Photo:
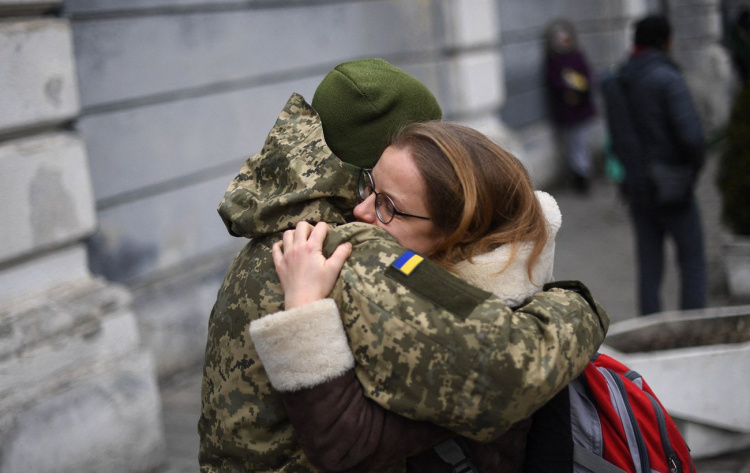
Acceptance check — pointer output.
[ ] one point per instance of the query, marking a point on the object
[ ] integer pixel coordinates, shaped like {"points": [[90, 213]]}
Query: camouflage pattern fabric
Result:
{"points": [[476, 371]]}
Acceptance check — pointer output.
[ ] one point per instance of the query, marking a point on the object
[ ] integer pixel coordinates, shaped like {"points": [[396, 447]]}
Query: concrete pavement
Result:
{"points": [[595, 245], [181, 407]]}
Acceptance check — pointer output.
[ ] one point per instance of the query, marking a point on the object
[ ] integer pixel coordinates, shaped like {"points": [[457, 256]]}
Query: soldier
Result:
{"points": [[427, 332]]}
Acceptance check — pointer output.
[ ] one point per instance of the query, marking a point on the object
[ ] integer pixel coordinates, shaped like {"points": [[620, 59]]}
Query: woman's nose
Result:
{"points": [[365, 210]]}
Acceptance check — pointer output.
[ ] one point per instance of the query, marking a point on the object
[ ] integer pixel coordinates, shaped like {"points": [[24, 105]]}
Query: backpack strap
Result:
{"points": [[451, 452], [592, 461]]}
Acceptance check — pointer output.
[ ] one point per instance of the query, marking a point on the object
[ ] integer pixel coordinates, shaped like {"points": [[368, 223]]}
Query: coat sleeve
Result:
{"points": [[684, 120], [304, 354], [339, 428], [342, 430], [431, 347], [307, 358]]}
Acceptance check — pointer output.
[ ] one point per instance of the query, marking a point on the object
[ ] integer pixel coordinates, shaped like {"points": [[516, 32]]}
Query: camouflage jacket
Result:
{"points": [[338, 428], [427, 345]]}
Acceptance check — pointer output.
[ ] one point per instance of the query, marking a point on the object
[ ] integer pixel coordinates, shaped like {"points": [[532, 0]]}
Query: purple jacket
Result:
{"points": [[569, 84]]}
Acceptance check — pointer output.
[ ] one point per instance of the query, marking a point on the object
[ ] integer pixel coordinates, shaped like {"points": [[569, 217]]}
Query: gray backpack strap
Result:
{"points": [[592, 461], [451, 452]]}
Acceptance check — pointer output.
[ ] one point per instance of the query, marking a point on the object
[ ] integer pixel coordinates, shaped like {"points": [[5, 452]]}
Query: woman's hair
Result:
{"points": [[478, 193]]}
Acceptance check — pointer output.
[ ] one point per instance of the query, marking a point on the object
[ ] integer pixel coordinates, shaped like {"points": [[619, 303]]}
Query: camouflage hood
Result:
{"points": [[294, 177]]}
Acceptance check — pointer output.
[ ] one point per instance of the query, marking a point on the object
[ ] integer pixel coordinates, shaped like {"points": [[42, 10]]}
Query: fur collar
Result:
{"points": [[512, 285]]}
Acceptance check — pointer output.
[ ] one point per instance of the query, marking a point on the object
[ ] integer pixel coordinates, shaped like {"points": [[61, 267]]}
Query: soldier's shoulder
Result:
{"points": [[366, 240], [383, 268], [571, 294], [359, 233]]}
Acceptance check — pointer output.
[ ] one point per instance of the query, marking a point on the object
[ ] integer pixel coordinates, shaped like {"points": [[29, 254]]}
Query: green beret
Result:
{"points": [[362, 103]]}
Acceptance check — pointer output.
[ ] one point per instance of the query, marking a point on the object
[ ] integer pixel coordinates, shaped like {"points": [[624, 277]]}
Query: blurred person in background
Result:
{"points": [[569, 84], [657, 135]]}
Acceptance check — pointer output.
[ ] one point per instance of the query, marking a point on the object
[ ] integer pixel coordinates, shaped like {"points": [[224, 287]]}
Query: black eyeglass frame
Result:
{"points": [[381, 198]]}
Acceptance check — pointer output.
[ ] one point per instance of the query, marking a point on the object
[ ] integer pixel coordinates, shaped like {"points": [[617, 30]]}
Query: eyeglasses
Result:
{"points": [[385, 209]]}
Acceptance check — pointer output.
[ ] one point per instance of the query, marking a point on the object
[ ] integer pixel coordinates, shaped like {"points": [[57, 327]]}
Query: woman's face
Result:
{"points": [[396, 175]]}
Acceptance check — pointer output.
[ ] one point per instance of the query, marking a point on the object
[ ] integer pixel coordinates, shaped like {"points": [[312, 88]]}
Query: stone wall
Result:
{"points": [[697, 49], [77, 390], [175, 94]]}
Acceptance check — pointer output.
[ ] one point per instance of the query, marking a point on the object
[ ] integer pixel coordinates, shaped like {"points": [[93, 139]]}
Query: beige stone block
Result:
{"points": [[38, 84], [476, 83], [154, 56], [79, 392], [46, 194], [62, 336], [36, 275], [470, 23], [110, 423]]}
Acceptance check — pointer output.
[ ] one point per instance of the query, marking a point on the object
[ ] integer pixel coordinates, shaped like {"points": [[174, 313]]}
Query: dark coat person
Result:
{"points": [[657, 134]]}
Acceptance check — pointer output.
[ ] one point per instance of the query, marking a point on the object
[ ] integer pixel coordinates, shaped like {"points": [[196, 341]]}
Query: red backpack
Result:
{"points": [[606, 421]]}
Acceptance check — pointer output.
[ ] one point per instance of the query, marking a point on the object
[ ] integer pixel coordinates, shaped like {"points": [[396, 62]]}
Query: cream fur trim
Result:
{"points": [[302, 347], [512, 285]]}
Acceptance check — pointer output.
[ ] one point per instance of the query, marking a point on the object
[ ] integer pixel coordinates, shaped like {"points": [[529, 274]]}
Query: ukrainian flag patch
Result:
{"points": [[407, 262]]}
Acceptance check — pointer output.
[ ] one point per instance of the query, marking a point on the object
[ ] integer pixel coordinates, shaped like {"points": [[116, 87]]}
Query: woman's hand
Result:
{"points": [[305, 274]]}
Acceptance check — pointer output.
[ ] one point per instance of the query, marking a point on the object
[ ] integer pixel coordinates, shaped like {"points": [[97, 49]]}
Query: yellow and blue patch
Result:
{"points": [[433, 283], [407, 262]]}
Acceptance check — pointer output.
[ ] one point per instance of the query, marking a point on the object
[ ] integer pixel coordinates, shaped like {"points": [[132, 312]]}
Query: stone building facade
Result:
{"points": [[121, 123], [78, 390]]}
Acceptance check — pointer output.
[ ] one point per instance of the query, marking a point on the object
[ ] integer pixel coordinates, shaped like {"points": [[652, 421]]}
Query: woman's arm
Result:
{"points": [[341, 430], [307, 357], [306, 275], [468, 363]]}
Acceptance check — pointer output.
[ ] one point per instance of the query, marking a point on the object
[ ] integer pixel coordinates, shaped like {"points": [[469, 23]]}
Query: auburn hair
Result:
{"points": [[477, 193]]}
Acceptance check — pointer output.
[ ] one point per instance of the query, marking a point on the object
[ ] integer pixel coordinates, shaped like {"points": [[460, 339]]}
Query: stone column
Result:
{"points": [[473, 74], [706, 64], [77, 391]]}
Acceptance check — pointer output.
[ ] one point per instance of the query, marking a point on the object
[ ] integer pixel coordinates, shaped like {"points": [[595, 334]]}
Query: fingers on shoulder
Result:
{"points": [[318, 235], [341, 254], [277, 254]]}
